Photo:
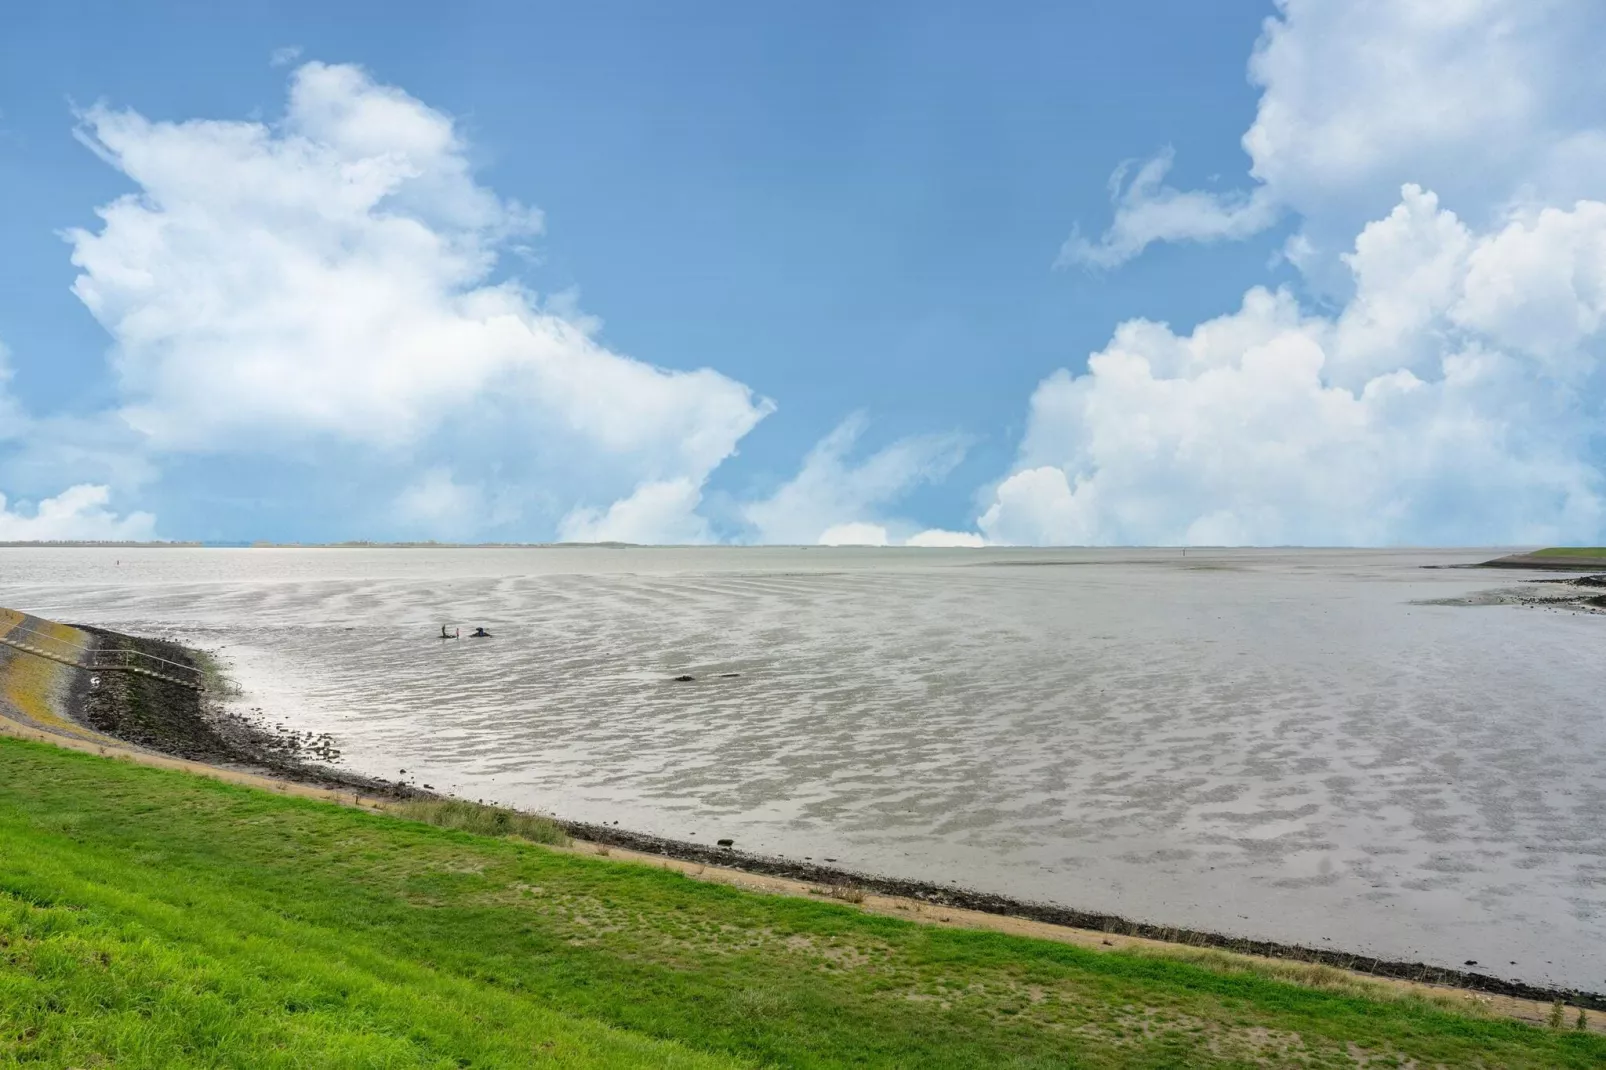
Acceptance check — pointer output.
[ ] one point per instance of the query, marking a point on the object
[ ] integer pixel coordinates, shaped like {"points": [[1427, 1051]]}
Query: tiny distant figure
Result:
{"points": [[457, 633], [480, 633]]}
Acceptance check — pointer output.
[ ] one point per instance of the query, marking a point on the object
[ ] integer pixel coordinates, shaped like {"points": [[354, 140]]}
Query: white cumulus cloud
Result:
{"points": [[936, 537], [1488, 102], [1454, 400], [328, 279], [1444, 163], [832, 489], [853, 534], [660, 512], [78, 513]]}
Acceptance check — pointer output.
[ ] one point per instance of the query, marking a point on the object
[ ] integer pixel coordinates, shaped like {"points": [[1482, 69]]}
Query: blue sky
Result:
{"points": [[858, 221]]}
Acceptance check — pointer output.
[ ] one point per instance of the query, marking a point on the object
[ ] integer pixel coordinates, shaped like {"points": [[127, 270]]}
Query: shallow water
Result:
{"points": [[1278, 744]]}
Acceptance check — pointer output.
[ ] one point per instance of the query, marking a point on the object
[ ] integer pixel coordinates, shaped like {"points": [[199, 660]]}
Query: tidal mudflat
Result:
{"points": [[1330, 748]]}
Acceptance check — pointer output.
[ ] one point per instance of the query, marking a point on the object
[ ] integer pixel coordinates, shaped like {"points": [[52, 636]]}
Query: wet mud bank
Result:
{"points": [[174, 720]]}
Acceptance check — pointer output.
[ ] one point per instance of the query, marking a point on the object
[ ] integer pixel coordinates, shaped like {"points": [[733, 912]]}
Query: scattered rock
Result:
{"points": [[1470, 962], [684, 679], [728, 675], [727, 843]]}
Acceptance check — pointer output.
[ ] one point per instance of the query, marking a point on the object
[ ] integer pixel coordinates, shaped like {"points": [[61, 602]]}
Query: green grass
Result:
{"points": [[482, 820], [1570, 551], [154, 919]]}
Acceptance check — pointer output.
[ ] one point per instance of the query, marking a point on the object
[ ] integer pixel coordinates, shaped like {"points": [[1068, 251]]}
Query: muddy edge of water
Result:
{"points": [[174, 720]]}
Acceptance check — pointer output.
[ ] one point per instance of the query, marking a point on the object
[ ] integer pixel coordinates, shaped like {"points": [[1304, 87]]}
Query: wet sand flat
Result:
{"points": [[1284, 745]]}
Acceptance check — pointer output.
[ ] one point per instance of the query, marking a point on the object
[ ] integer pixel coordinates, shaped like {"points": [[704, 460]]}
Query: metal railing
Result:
{"points": [[30, 640]]}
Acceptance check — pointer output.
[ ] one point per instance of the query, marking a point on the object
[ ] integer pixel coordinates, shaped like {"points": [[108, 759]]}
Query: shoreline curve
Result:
{"points": [[194, 734]]}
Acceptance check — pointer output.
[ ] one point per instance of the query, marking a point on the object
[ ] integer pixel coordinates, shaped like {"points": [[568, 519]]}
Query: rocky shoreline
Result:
{"points": [[161, 716], [1579, 594]]}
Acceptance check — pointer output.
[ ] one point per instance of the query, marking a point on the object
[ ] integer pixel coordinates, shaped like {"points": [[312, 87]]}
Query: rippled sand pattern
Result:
{"points": [[1277, 744]]}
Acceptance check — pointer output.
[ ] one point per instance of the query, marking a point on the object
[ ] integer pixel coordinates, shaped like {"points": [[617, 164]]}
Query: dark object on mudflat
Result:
{"points": [[727, 843], [728, 675], [684, 679], [479, 633]]}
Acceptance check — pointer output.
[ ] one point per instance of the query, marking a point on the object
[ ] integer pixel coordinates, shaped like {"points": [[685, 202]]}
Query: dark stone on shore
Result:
{"points": [[727, 843], [157, 715], [684, 679], [147, 711]]}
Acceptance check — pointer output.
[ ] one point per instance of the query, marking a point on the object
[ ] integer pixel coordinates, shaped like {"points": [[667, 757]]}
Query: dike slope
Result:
{"points": [[1555, 559]]}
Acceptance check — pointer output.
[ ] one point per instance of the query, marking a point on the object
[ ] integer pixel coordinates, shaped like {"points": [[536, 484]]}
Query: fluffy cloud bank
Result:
{"points": [[77, 514], [860, 533], [1487, 102], [326, 282], [1455, 395], [1455, 400]]}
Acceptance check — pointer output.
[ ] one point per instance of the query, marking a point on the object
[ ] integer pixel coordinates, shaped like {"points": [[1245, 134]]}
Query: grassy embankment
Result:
{"points": [[150, 918], [1558, 558]]}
